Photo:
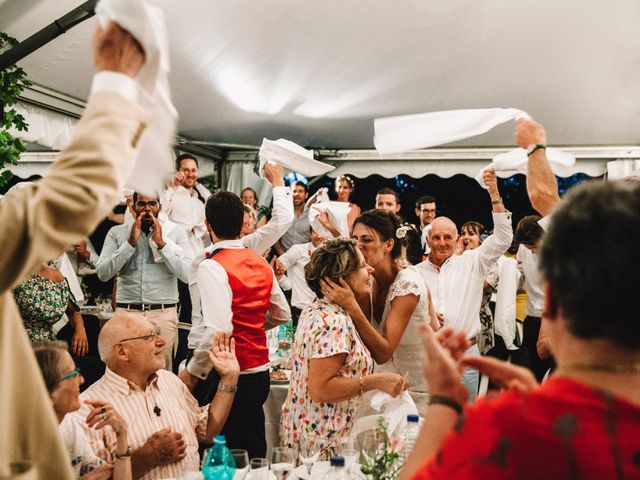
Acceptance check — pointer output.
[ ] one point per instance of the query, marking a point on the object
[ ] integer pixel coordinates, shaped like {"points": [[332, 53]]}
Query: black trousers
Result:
{"points": [[185, 302], [529, 357], [245, 426]]}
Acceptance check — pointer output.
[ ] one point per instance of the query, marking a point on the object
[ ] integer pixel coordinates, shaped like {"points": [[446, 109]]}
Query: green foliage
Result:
{"points": [[13, 80], [385, 463]]}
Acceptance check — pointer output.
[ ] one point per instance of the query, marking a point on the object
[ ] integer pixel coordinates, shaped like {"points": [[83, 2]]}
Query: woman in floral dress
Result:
{"points": [[331, 366], [43, 299]]}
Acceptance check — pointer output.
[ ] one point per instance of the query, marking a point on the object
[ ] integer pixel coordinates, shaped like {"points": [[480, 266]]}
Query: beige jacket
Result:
{"points": [[37, 223]]}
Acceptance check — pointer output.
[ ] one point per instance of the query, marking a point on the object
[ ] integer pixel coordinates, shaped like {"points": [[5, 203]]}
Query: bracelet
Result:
{"points": [[126, 454], [361, 385], [447, 402], [227, 388], [498, 201]]}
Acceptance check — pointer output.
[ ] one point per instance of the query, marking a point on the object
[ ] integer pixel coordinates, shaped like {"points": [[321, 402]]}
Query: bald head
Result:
{"points": [[443, 224], [442, 240], [122, 325]]}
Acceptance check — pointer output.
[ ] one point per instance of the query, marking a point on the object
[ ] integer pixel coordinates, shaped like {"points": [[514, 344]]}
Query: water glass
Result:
{"points": [[282, 462], [241, 458], [347, 449], [259, 469]]}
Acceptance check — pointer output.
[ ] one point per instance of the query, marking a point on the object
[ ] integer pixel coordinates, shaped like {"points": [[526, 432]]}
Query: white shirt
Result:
{"points": [[533, 282], [456, 287], [424, 236], [295, 260], [215, 299], [187, 210], [260, 240], [82, 457], [143, 278]]}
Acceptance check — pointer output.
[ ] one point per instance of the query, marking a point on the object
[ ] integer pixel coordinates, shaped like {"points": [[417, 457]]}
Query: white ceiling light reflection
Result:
{"points": [[245, 91], [352, 102]]}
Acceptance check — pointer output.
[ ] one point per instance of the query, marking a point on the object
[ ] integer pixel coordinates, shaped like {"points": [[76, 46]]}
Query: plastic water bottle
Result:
{"points": [[219, 464], [338, 471], [410, 434]]}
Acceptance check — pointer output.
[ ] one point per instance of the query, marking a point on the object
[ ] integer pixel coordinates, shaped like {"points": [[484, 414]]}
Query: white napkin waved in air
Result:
{"points": [[337, 212], [395, 410], [424, 130], [146, 23], [515, 161], [291, 156]]}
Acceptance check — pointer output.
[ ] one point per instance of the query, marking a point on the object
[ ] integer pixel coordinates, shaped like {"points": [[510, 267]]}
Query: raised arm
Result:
{"points": [[281, 215], [87, 176], [542, 186]]}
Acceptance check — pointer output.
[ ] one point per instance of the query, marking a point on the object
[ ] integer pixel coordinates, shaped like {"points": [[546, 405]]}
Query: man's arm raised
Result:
{"points": [[542, 186]]}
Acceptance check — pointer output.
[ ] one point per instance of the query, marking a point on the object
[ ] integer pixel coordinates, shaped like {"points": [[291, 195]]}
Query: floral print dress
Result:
{"points": [[41, 302], [324, 330]]}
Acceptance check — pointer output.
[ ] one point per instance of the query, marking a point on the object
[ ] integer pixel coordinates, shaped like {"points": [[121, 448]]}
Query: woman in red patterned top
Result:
{"points": [[584, 423]]}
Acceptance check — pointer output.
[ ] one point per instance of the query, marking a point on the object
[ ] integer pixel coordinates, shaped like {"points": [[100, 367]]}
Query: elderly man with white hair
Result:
{"points": [[165, 422], [456, 281]]}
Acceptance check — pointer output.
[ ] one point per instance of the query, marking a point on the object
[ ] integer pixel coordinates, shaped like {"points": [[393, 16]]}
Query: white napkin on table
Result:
{"points": [[395, 410], [424, 130], [516, 161], [291, 156], [146, 23]]}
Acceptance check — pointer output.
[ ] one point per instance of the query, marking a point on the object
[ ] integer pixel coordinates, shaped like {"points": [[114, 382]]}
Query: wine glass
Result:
{"points": [[347, 449], [282, 462], [241, 457], [369, 445], [259, 468], [308, 449]]}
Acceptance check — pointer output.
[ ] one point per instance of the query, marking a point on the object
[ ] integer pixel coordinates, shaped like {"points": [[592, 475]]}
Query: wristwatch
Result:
{"points": [[125, 454], [533, 148]]}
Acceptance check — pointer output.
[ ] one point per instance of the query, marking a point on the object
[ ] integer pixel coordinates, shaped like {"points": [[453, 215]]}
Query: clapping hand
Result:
{"points": [[443, 352], [503, 374], [103, 414], [157, 232]]}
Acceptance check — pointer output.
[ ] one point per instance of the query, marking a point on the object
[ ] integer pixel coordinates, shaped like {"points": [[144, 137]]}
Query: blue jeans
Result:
{"points": [[470, 376]]}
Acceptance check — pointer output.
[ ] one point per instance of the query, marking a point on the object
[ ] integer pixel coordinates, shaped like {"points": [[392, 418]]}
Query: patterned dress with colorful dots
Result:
{"points": [[324, 330]]}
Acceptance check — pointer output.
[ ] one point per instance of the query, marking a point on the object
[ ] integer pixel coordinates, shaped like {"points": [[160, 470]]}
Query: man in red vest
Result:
{"points": [[239, 294]]}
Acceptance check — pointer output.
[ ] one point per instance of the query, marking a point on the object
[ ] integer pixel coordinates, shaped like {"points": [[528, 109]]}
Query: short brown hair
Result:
{"points": [[334, 259], [528, 231], [48, 355]]}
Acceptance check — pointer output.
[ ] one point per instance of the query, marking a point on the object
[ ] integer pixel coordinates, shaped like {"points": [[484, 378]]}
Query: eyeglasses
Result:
{"points": [[71, 374], [151, 336], [151, 203]]}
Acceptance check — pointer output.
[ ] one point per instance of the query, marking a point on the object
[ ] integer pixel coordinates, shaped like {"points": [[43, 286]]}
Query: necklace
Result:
{"points": [[630, 368]]}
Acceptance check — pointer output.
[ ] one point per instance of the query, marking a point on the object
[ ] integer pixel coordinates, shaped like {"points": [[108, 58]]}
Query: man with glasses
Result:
{"points": [[149, 257], [165, 422]]}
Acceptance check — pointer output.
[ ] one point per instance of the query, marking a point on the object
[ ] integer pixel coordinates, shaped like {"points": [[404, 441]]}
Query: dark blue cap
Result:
{"points": [[337, 461]]}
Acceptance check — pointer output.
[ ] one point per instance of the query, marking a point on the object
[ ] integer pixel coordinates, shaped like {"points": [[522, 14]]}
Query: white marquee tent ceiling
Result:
{"points": [[319, 72]]}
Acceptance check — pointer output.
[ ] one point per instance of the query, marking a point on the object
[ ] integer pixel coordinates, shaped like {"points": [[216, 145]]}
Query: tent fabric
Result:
{"points": [[449, 168]]}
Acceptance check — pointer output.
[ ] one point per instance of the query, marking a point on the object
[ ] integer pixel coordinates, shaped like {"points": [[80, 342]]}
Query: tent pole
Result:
{"points": [[48, 33]]}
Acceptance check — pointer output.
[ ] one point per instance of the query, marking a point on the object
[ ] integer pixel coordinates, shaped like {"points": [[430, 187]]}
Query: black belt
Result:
{"points": [[145, 306]]}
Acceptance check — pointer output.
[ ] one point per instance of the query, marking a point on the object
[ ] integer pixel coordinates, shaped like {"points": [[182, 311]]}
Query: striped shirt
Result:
{"points": [[178, 410]]}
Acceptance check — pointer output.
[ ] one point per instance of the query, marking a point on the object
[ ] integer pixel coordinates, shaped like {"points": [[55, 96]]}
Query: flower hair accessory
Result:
{"points": [[401, 232]]}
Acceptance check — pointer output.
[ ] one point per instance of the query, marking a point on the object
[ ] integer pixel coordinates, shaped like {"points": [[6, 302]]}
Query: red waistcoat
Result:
{"points": [[251, 280]]}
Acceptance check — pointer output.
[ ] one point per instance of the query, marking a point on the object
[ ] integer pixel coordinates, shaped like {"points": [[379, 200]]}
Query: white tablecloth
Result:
{"points": [[272, 410]]}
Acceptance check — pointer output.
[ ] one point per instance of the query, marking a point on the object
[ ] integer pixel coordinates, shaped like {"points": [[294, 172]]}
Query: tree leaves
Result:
{"points": [[13, 80]]}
